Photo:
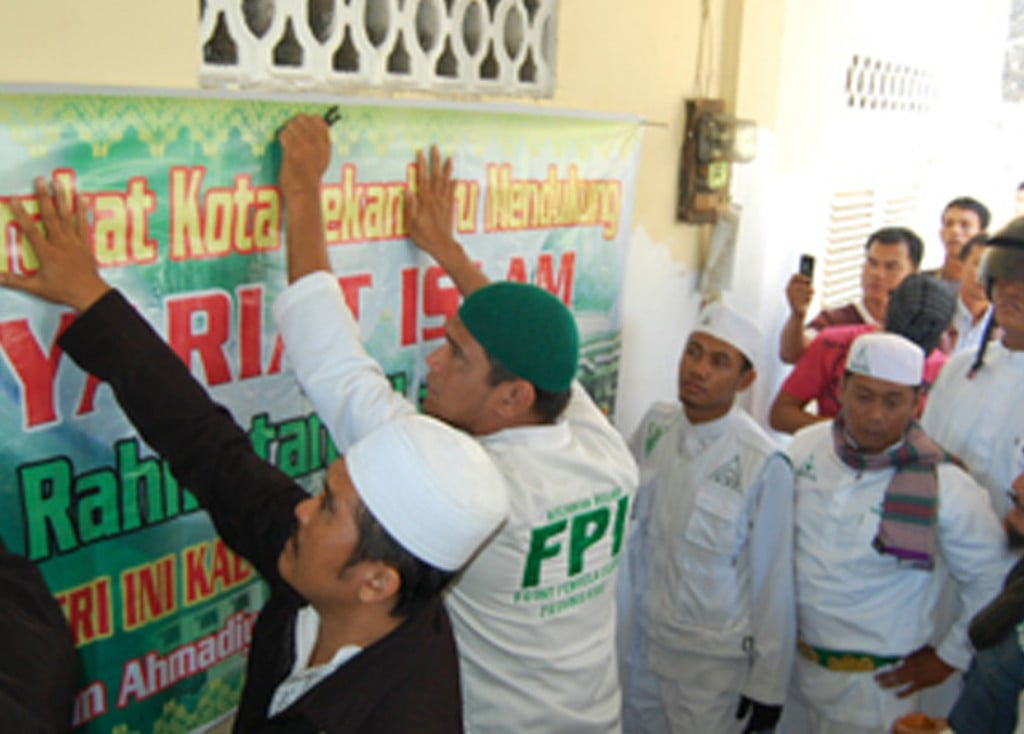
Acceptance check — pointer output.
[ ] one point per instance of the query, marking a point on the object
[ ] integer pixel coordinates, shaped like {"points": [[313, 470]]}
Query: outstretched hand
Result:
{"points": [[428, 210], [428, 215], [799, 293], [306, 151], [67, 272]]}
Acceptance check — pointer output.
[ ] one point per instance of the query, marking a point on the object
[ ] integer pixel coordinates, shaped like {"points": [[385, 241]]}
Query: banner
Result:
{"points": [[188, 223]]}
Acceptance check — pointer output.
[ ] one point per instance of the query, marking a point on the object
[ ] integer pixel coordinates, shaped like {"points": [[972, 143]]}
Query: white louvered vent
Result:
{"points": [[883, 85], [480, 46], [1013, 63], [851, 219], [853, 215]]}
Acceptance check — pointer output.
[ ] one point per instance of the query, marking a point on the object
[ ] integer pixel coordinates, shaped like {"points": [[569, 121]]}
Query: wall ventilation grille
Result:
{"points": [[502, 47], [853, 215], [875, 84]]}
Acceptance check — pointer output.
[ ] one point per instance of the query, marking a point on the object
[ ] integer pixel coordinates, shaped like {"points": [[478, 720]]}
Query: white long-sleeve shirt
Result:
{"points": [[710, 551], [534, 612], [968, 329], [851, 597], [981, 420]]}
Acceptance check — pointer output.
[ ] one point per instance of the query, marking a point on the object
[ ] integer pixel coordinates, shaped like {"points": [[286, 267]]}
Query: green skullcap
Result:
{"points": [[527, 329]]}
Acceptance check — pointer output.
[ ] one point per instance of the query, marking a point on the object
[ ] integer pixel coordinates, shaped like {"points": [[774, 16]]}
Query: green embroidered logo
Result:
{"points": [[806, 470], [728, 474], [859, 361], [654, 432]]}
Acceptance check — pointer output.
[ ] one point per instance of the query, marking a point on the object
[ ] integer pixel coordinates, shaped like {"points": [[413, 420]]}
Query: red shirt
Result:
{"points": [[818, 372]]}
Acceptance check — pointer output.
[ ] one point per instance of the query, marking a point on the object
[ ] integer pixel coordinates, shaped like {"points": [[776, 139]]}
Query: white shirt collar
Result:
{"points": [[303, 677], [694, 438]]}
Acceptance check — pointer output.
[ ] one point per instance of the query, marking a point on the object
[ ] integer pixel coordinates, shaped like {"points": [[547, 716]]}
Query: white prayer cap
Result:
{"points": [[729, 325], [888, 357], [432, 487]]}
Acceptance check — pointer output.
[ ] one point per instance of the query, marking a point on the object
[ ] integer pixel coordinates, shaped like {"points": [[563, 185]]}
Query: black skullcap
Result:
{"points": [[921, 309]]}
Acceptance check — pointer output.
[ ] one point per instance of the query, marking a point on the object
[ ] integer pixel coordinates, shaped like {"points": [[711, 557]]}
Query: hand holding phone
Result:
{"points": [[807, 265]]}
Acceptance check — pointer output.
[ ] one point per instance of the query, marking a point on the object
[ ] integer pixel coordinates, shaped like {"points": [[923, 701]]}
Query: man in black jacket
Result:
{"points": [[354, 637], [988, 703], [38, 663]]}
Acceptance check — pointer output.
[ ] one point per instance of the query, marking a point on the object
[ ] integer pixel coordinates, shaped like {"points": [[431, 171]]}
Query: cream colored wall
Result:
{"points": [[100, 42], [640, 61], [634, 58]]}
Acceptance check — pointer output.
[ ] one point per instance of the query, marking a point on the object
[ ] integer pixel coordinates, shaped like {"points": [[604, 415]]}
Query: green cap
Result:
{"points": [[527, 329]]}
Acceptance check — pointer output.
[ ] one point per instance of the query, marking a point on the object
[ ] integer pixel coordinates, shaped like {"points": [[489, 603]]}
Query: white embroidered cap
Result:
{"points": [[432, 487], [888, 357], [726, 323]]}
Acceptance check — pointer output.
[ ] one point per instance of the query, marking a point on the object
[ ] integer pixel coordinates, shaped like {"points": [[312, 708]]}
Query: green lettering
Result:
{"points": [[261, 434], [190, 502], [587, 529], [293, 450], [618, 530], [46, 489], [314, 429], [399, 381], [332, 451], [540, 550], [97, 505], [133, 473], [172, 493]]}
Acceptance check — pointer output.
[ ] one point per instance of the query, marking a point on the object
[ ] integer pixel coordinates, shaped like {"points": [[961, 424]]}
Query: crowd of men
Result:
{"points": [[824, 585]]}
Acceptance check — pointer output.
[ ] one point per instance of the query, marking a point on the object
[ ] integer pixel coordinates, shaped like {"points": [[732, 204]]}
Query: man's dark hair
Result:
{"points": [[546, 404], [899, 236], [421, 582], [966, 202], [977, 240]]}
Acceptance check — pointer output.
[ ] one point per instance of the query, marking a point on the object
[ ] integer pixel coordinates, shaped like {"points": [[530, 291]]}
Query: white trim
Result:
{"points": [[506, 108]]}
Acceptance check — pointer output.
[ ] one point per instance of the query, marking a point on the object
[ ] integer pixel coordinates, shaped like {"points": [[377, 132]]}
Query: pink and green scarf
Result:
{"points": [[910, 507]]}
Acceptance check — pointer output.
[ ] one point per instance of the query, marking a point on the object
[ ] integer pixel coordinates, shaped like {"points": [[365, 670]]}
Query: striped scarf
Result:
{"points": [[910, 507]]}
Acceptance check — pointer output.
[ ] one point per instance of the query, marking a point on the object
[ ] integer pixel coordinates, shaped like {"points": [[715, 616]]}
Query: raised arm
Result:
{"points": [[306, 151], [249, 500], [793, 338], [428, 212], [347, 387], [67, 273]]}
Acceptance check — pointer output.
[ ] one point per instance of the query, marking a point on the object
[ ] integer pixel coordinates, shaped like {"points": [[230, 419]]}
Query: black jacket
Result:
{"points": [[38, 664], [405, 682], [1002, 614]]}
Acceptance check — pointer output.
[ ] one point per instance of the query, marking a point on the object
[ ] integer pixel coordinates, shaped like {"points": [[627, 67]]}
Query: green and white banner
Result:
{"points": [[188, 223]]}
